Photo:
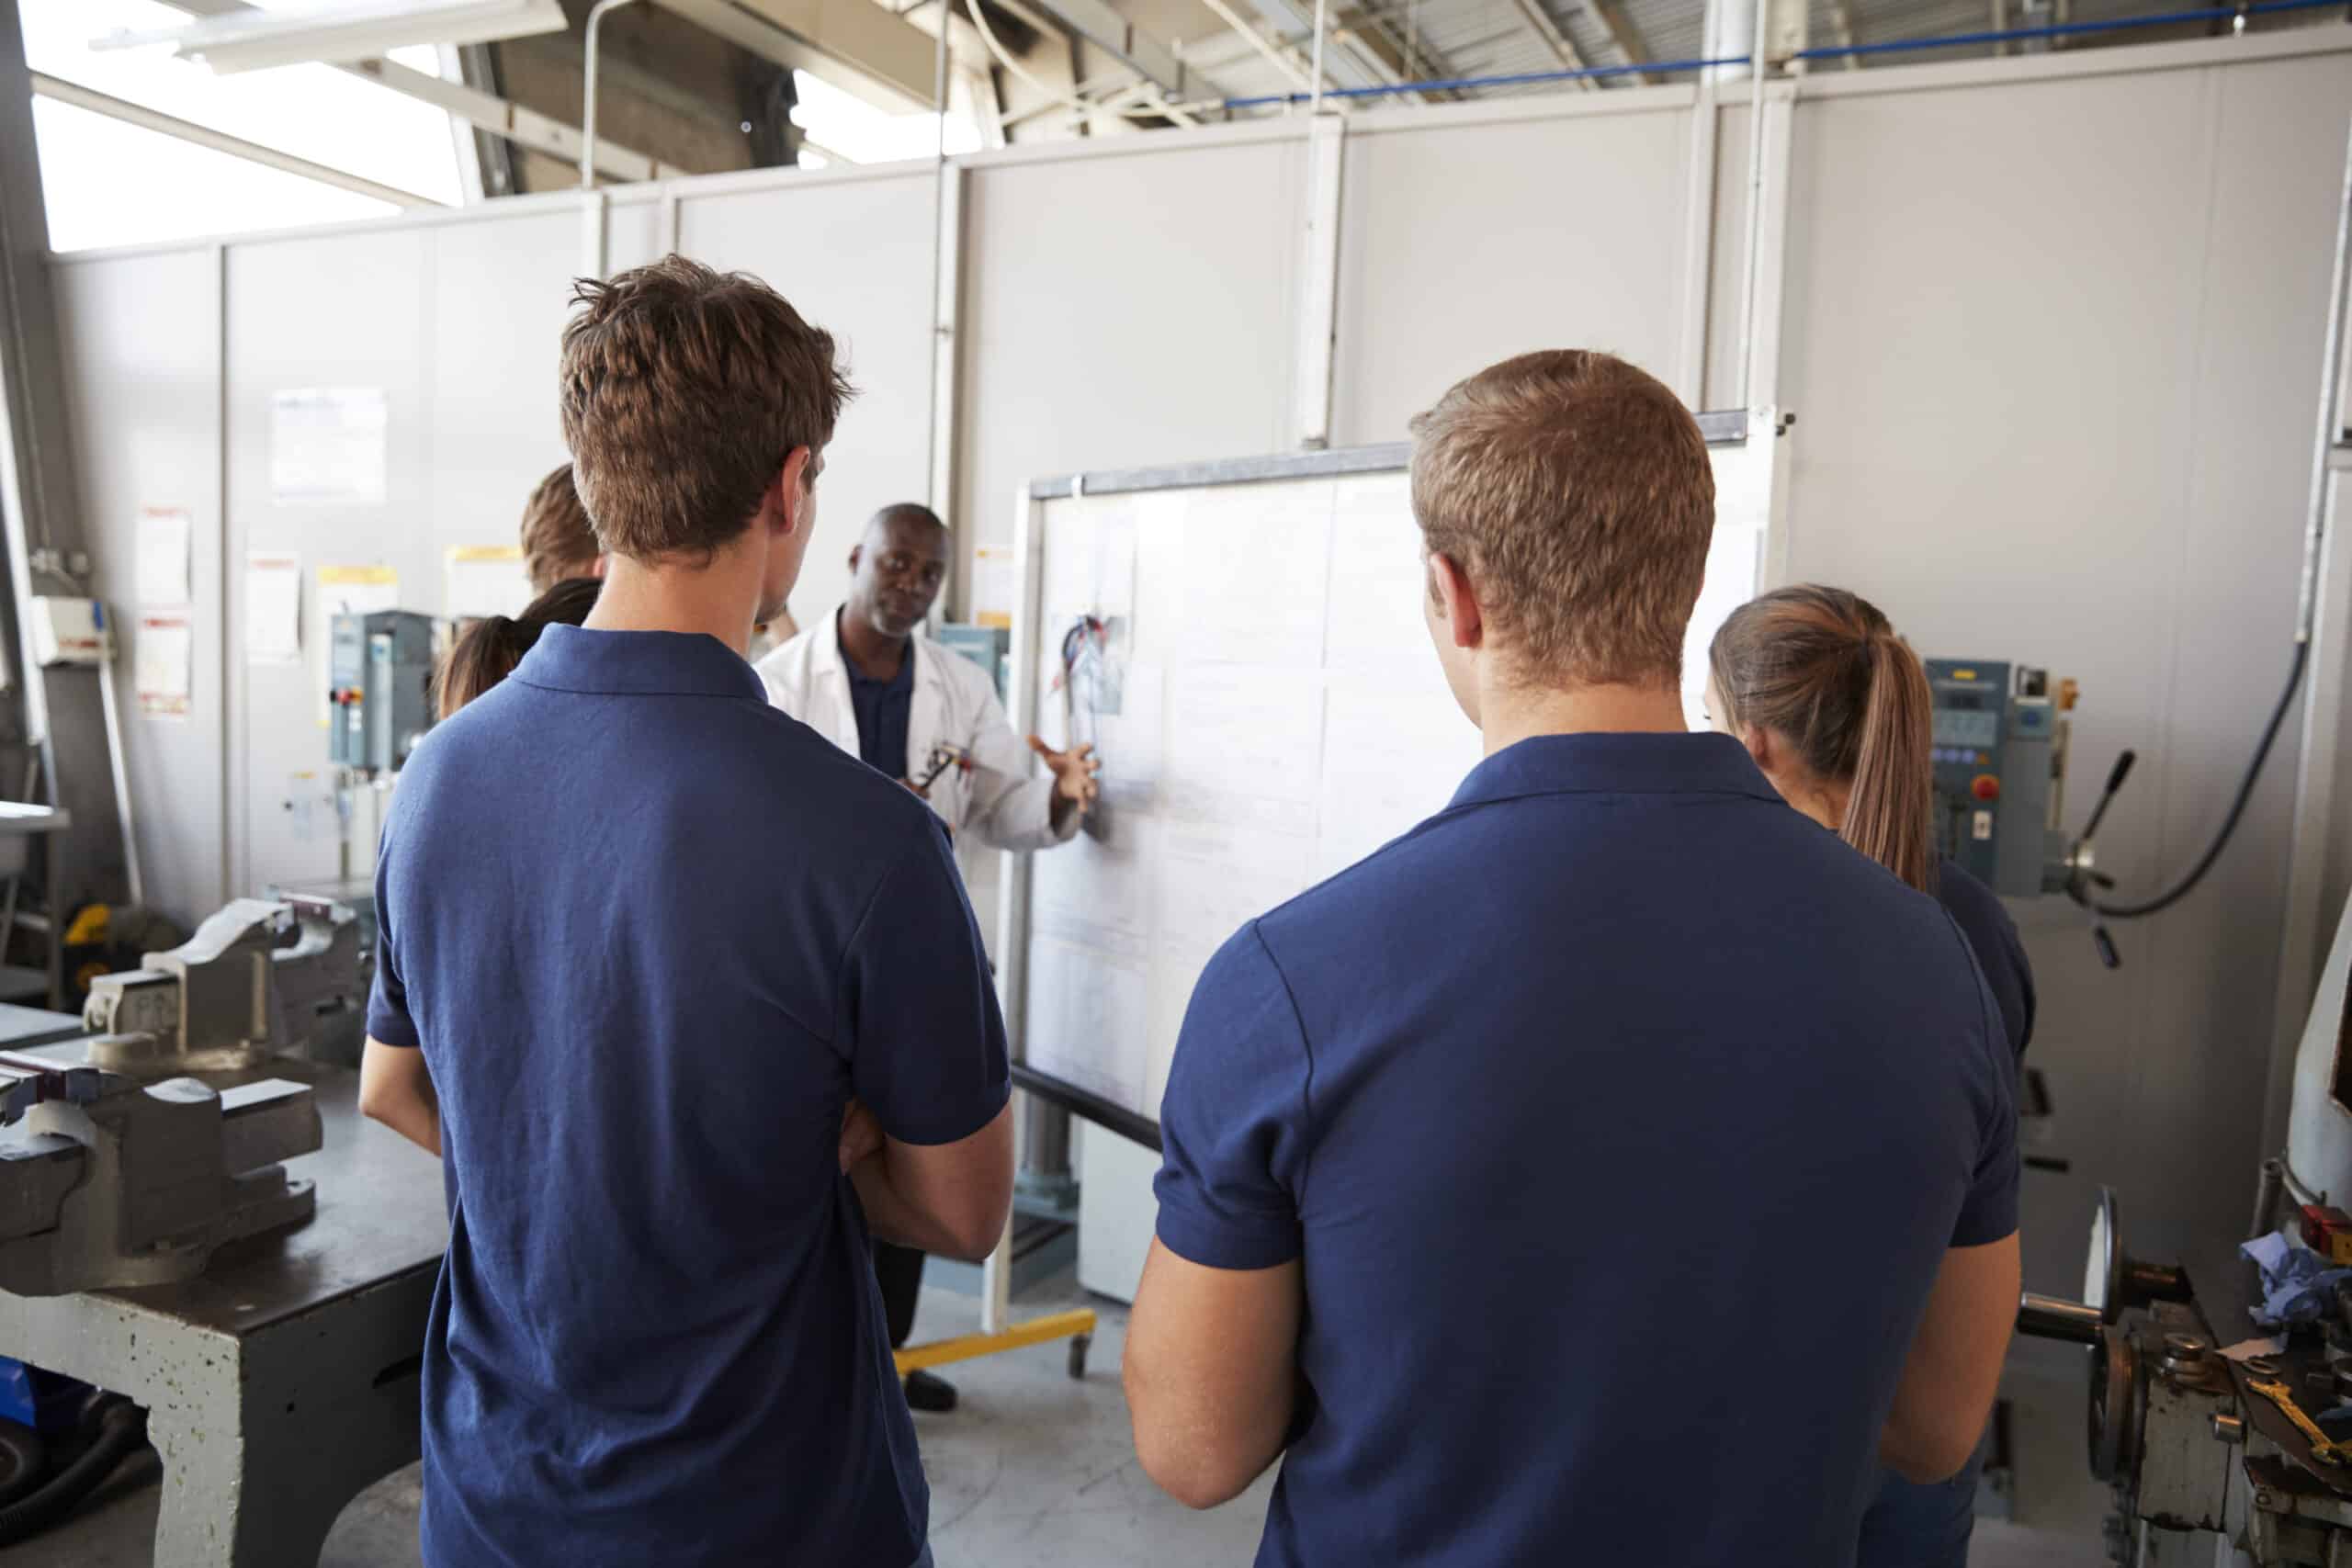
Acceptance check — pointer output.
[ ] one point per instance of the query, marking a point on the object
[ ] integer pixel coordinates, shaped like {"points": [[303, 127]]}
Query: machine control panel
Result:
{"points": [[1998, 745]]}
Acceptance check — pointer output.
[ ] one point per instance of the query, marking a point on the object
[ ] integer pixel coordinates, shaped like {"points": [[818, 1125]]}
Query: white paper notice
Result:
{"points": [[995, 590], [1394, 752], [273, 608], [485, 580], [1256, 563], [345, 590], [1377, 587], [163, 533], [326, 446], [163, 663], [1243, 730], [1088, 1018], [1097, 894]]}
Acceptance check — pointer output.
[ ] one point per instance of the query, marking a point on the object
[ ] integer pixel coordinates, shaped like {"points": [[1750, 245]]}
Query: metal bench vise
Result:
{"points": [[106, 1181], [256, 980]]}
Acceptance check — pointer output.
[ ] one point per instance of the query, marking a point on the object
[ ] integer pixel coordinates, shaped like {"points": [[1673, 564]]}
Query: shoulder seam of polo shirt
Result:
{"points": [[1305, 1049]]}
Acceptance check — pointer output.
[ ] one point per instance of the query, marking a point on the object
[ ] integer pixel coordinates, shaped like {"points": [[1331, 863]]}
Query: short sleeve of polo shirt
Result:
{"points": [[918, 1009], [389, 1022], [1990, 1212], [1233, 1122]]}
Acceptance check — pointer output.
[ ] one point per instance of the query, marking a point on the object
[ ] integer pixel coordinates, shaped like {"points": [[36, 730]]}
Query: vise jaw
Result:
{"points": [[105, 1181]]}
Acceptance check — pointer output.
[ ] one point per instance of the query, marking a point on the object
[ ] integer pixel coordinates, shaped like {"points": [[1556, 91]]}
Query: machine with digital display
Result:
{"points": [[2000, 738], [381, 688]]}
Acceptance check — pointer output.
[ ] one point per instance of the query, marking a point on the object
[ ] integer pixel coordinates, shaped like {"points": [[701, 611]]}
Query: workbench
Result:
{"points": [[282, 1379]]}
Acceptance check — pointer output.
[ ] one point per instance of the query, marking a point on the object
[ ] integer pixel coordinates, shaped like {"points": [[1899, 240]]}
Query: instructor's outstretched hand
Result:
{"points": [[1074, 783]]}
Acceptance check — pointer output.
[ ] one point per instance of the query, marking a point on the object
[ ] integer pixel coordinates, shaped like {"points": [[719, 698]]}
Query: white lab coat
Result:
{"points": [[1002, 800]]}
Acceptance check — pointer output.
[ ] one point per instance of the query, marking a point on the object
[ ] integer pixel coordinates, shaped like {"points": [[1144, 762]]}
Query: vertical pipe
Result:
{"points": [[588, 94], [938, 238], [2331, 387], [1754, 207], [1315, 93]]}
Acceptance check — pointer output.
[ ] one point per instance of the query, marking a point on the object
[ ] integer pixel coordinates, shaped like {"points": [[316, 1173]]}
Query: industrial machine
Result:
{"points": [[107, 1181], [2000, 740], [380, 685], [2222, 1447], [260, 978]]}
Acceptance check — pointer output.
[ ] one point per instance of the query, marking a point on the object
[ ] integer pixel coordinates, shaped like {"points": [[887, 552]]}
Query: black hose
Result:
{"points": [[27, 1458], [2181, 889], [122, 1429]]}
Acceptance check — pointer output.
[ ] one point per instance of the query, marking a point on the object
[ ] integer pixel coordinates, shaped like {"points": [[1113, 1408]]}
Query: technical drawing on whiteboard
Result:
{"points": [[1245, 646]]}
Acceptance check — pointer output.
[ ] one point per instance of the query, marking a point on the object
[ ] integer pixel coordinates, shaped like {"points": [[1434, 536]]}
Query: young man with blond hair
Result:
{"points": [[702, 1003], [1615, 1131]]}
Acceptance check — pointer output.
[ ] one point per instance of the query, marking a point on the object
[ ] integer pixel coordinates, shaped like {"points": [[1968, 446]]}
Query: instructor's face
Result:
{"points": [[898, 572]]}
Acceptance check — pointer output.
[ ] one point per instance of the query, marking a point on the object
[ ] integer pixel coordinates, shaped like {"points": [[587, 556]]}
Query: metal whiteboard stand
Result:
{"points": [[283, 1380]]}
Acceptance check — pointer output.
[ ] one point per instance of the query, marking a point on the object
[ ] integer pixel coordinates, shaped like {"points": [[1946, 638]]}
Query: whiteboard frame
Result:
{"points": [[1730, 428]]}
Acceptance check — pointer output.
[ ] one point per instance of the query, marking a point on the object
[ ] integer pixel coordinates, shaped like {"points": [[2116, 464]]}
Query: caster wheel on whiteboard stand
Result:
{"points": [[1078, 1345]]}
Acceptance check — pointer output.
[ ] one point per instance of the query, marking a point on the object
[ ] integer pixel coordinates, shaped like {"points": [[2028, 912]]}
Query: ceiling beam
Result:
{"points": [[1539, 22], [854, 44], [483, 111], [1623, 33]]}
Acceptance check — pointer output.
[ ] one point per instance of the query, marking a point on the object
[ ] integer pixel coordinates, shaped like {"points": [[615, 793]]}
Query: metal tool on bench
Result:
{"points": [[261, 977], [106, 1181], [2246, 1463]]}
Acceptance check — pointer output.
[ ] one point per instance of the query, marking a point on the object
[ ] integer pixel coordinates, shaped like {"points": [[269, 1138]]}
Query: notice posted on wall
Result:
{"points": [[485, 580], [327, 446], [163, 535], [163, 664], [273, 607], [345, 590]]}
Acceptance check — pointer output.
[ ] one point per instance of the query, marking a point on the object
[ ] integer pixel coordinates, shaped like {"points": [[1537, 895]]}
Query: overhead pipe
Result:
{"points": [[588, 93], [1824, 52]]}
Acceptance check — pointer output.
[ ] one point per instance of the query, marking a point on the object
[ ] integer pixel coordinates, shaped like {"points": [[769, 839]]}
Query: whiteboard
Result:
{"points": [[1253, 669]]}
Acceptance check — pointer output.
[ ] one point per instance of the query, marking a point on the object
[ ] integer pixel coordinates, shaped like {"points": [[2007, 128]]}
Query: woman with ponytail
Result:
{"points": [[394, 1086], [490, 647], [1835, 709]]}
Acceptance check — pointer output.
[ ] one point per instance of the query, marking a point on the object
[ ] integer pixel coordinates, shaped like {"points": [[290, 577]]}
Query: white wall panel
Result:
{"points": [[1124, 311], [142, 343], [854, 257], [2043, 415], [1460, 246]]}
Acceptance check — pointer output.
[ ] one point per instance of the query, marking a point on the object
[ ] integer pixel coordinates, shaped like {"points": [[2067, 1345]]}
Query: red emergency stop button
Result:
{"points": [[1986, 787]]}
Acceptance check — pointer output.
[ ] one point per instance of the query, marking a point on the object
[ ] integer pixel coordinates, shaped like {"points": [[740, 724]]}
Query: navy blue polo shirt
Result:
{"points": [[883, 708], [651, 935], [1993, 937], [1619, 1119]]}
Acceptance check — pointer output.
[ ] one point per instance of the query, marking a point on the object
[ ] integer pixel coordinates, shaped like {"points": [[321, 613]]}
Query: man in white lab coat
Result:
{"points": [[867, 679]]}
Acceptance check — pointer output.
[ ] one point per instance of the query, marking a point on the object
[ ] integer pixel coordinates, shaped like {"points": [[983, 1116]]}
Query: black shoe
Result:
{"points": [[927, 1393]]}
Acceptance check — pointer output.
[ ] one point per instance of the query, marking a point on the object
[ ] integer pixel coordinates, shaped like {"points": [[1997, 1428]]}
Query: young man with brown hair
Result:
{"points": [[702, 1003], [1617, 1127]]}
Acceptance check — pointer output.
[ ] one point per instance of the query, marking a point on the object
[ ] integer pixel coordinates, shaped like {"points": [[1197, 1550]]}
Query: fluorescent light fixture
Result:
{"points": [[255, 41]]}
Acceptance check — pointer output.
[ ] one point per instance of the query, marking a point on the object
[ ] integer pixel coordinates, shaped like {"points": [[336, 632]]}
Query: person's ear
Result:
{"points": [[1457, 602], [791, 491], [1762, 748]]}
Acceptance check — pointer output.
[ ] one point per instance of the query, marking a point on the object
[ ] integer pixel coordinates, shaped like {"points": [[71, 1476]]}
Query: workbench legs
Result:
{"points": [[265, 1437]]}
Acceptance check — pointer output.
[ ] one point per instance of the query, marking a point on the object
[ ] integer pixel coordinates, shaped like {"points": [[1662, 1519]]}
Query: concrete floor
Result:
{"points": [[1036, 1471]]}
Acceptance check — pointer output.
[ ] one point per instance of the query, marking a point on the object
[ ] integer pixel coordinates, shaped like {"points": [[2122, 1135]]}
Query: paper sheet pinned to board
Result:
{"points": [[1250, 731], [1257, 564], [163, 664], [273, 607], [327, 445], [1089, 1020], [165, 533], [481, 581], [1393, 755]]}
